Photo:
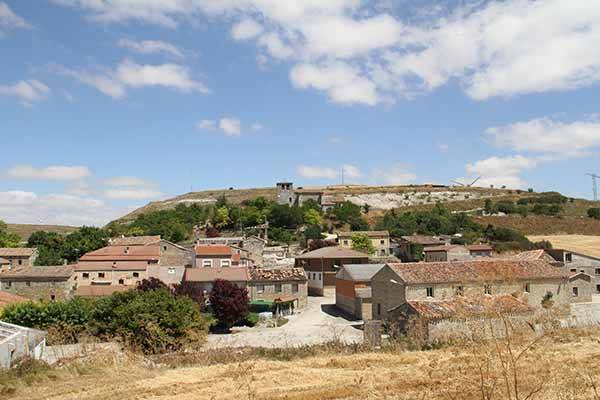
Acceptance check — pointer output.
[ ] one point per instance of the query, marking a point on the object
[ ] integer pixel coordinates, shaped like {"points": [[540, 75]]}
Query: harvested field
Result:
{"points": [[543, 225], [579, 243], [25, 230], [560, 367]]}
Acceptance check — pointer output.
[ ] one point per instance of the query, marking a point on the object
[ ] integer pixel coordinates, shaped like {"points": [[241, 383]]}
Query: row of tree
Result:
{"points": [[57, 249]]}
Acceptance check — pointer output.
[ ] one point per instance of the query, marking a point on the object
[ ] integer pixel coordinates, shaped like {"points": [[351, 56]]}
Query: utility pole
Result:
{"points": [[342, 176], [595, 185]]}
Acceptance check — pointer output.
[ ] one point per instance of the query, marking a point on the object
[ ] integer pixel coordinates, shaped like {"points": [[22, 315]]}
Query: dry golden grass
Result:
{"points": [[25, 230], [559, 367], [578, 243]]}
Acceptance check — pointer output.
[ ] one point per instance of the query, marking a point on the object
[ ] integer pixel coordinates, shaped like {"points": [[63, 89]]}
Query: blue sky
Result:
{"points": [[105, 105]]}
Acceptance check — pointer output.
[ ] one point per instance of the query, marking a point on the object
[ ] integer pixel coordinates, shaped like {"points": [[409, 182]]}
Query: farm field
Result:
{"points": [[579, 243]]}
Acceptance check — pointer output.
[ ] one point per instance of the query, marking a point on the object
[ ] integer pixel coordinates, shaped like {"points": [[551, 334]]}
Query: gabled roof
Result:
{"points": [[16, 252], [38, 273], [111, 266], [359, 272], [233, 274], [480, 247], [277, 275], [425, 240], [124, 253], [465, 307], [374, 234], [213, 250], [134, 240], [7, 299], [476, 271], [333, 252], [446, 247], [531, 255]]}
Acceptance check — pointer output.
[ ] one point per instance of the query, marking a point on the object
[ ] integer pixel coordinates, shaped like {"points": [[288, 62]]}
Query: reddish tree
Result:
{"points": [[320, 243], [230, 303], [212, 232], [193, 290], [150, 284]]}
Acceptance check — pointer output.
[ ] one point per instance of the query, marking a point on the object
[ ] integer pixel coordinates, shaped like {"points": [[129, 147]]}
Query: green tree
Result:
{"points": [[83, 241], [221, 218], [363, 243], [346, 212], [283, 216], [313, 217], [8, 239], [313, 232]]}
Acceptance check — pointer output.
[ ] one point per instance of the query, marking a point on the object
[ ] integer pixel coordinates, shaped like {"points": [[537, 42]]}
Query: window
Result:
{"points": [[345, 243], [294, 288], [207, 263], [573, 269], [136, 274], [225, 263], [382, 242], [85, 275], [52, 297], [527, 288], [171, 271], [8, 284], [121, 281], [460, 291], [575, 291], [28, 283], [598, 288], [165, 248], [260, 288], [568, 257], [597, 271], [378, 309], [278, 288], [487, 289], [429, 292], [20, 262], [100, 274]]}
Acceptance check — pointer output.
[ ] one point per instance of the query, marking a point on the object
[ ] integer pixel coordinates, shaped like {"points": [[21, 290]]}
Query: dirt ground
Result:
{"points": [[579, 243], [316, 324], [564, 367]]}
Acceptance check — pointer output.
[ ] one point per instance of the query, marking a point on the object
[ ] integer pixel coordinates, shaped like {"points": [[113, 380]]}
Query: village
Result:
{"points": [[352, 286]]}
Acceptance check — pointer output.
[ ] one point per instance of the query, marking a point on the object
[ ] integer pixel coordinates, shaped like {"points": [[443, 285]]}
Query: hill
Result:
{"points": [[25, 230]]}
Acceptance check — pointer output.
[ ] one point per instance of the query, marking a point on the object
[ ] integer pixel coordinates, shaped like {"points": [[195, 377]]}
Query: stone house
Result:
{"points": [[207, 276], [286, 286], [171, 254], [353, 289], [456, 252], [405, 247], [575, 263], [219, 256], [253, 245], [39, 283], [322, 264], [530, 281], [286, 194], [221, 240], [18, 257], [379, 239]]}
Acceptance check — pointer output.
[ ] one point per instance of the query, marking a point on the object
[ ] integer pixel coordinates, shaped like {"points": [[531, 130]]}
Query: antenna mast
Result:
{"points": [[594, 185]]}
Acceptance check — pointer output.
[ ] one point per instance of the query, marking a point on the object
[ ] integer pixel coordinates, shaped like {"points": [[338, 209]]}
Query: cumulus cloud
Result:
{"points": [[312, 172], [52, 173], [207, 124], [128, 74], [230, 126], [130, 188], [60, 209], [397, 174], [351, 172], [501, 171], [151, 47], [246, 29], [10, 20], [547, 135], [487, 47], [29, 91]]}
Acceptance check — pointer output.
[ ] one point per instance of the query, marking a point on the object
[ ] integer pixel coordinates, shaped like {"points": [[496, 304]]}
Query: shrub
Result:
{"points": [[362, 242], [229, 302], [193, 290], [594, 213], [150, 284]]}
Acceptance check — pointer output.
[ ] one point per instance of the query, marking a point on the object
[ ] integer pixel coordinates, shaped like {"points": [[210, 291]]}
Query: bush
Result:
{"points": [[229, 302], [150, 284], [193, 290], [363, 243], [594, 213]]}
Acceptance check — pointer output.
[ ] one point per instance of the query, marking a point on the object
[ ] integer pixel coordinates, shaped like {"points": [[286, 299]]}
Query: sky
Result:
{"points": [[106, 105]]}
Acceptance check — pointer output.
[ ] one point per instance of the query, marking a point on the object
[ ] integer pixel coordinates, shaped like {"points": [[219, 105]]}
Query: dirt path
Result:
{"points": [[312, 326]]}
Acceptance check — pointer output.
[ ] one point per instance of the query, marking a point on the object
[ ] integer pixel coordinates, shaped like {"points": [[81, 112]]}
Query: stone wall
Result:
{"points": [[115, 278], [267, 291], [39, 290], [173, 256]]}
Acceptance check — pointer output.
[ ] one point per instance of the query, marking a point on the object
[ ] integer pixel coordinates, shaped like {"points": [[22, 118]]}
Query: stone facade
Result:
{"points": [[451, 253], [379, 239], [116, 277], [18, 257], [172, 255], [271, 291], [39, 290], [579, 263]]}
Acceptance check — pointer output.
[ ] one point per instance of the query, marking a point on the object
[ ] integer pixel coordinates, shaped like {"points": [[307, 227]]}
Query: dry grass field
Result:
{"points": [[538, 225], [25, 230], [564, 366], [578, 243]]}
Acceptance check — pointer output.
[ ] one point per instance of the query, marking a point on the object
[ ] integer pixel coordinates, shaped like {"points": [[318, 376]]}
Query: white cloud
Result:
{"points": [[114, 83], [10, 20], [351, 172], [312, 172], [61, 209], [207, 124], [360, 54], [151, 47], [545, 135], [52, 173], [342, 82], [256, 127], [130, 188], [79, 188], [397, 174], [29, 91], [246, 29], [230, 126], [499, 171]]}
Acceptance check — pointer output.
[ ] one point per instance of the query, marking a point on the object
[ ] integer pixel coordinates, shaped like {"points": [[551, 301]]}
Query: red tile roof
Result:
{"points": [[4, 261], [333, 252], [277, 275], [111, 266], [476, 271], [134, 240], [463, 307], [101, 290], [234, 274], [38, 273], [7, 299], [16, 252], [213, 250], [124, 253], [530, 255], [480, 247]]}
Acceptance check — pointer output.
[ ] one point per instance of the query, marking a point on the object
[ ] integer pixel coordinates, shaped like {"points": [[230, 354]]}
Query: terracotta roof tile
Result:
{"points": [[16, 252], [134, 240], [424, 240], [213, 250], [111, 266], [476, 271], [463, 307], [277, 275], [38, 273], [4, 261], [333, 252], [124, 253]]}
